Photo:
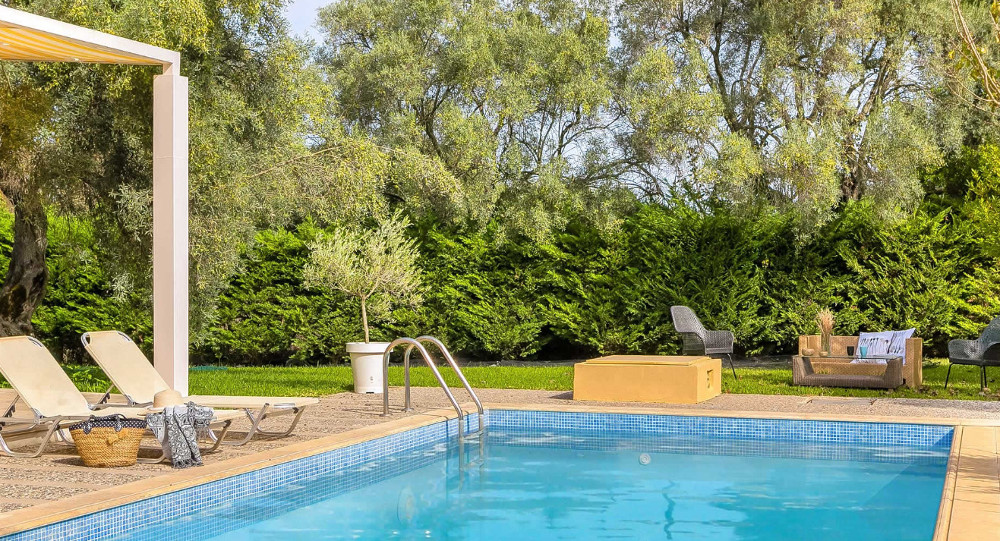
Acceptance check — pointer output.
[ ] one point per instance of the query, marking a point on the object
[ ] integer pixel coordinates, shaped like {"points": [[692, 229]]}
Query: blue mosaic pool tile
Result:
{"points": [[368, 462], [837, 432], [125, 519], [612, 442]]}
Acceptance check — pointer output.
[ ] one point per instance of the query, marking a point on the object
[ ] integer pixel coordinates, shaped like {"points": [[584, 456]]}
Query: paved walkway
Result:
{"points": [[59, 473]]}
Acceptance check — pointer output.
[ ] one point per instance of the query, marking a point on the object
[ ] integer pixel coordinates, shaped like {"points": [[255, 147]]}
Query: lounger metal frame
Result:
{"points": [[255, 417], [56, 429]]}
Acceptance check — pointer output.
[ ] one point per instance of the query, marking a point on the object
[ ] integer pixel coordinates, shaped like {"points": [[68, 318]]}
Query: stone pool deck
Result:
{"points": [[57, 480]]}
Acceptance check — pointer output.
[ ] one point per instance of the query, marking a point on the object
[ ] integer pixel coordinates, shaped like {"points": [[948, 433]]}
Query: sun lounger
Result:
{"points": [[53, 399], [133, 375]]}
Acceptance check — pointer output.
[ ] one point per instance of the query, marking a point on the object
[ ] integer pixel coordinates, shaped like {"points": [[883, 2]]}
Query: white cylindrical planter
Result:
{"points": [[366, 365]]}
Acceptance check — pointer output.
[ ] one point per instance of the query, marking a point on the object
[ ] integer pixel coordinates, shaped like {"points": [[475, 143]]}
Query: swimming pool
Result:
{"points": [[562, 475]]}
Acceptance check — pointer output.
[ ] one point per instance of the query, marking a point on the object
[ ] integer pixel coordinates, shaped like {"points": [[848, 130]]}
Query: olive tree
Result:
{"points": [[805, 104], [377, 267], [545, 110], [77, 139], [513, 99], [24, 114]]}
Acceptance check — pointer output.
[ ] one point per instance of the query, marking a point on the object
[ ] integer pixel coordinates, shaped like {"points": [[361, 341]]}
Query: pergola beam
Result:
{"points": [[81, 44], [31, 38]]}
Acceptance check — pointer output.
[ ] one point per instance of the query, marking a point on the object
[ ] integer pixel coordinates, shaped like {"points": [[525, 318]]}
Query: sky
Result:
{"points": [[302, 16]]}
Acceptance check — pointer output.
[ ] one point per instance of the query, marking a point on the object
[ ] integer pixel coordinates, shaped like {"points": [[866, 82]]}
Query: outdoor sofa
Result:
{"points": [[912, 365], [887, 376]]}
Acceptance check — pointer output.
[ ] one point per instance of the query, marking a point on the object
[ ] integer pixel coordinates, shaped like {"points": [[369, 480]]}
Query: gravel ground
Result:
{"points": [[59, 473]]}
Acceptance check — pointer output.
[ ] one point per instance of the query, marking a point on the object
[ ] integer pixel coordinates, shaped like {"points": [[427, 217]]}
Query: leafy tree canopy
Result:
{"points": [[519, 117], [805, 104], [546, 109], [85, 148]]}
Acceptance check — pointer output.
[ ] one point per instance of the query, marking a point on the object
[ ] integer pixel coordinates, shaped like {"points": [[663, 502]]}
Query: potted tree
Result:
{"points": [[377, 267]]}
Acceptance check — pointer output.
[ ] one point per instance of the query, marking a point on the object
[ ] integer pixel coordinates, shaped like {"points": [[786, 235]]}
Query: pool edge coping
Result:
{"points": [[45, 514], [943, 525], [83, 504]]}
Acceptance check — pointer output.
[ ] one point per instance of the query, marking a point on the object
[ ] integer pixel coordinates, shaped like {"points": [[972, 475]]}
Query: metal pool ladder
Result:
{"points": [[417, 343]]}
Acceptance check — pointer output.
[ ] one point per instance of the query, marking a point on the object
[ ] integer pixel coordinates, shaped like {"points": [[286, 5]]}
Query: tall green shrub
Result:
{"points": [[492, 295], [267, 316], [481, 294]]}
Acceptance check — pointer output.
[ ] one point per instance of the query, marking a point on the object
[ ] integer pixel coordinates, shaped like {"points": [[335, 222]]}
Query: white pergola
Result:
{"points": [[25, 37]]}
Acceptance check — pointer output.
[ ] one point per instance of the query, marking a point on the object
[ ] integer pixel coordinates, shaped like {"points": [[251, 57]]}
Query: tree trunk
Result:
{"points": [[364, 319], [850, 182], [27, 275]]}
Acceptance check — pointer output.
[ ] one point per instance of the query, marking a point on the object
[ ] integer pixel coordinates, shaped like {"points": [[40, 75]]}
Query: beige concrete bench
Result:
{"points": [[648, 378]]}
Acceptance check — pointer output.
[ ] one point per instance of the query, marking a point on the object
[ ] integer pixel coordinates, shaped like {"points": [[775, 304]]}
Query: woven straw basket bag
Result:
{"points": [[108, 442]]}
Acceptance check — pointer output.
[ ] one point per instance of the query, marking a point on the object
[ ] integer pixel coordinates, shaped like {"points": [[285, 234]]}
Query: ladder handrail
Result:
{"points": [[437, 374], [450, 360]]}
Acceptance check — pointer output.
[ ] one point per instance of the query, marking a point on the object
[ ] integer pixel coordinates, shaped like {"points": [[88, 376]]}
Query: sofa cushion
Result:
{"points": [[876, 342], [898, 344]]}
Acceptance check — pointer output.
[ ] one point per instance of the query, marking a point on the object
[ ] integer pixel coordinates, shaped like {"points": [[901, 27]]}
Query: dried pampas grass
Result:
{"points": [[824, 318]]}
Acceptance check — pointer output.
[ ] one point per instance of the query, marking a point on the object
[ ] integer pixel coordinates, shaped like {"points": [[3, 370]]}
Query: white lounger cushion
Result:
{"points": [[41, 383], [126, 365], [133, 375], [38, 379]]}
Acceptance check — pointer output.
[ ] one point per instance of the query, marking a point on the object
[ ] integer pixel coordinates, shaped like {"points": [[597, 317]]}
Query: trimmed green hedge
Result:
{"points": [[592, 292]]}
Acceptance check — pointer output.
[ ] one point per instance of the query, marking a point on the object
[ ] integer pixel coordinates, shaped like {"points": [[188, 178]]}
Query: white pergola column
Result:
{"points": [[26, 37], [170, 227]]}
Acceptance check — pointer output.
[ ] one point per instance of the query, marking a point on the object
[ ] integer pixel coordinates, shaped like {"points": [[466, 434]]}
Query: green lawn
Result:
{"points": [[317, 381], [303, 381]]}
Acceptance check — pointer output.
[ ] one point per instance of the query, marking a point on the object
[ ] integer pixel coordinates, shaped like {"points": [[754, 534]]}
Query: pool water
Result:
{"points": [[534, 484]]}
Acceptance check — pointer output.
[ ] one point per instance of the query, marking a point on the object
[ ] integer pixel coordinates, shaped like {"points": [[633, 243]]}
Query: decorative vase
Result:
{"points": [[824, 343]]}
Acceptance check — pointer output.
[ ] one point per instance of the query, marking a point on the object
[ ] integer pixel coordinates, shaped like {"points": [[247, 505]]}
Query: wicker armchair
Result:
{"points": [[982, 352], [698, 340]]}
